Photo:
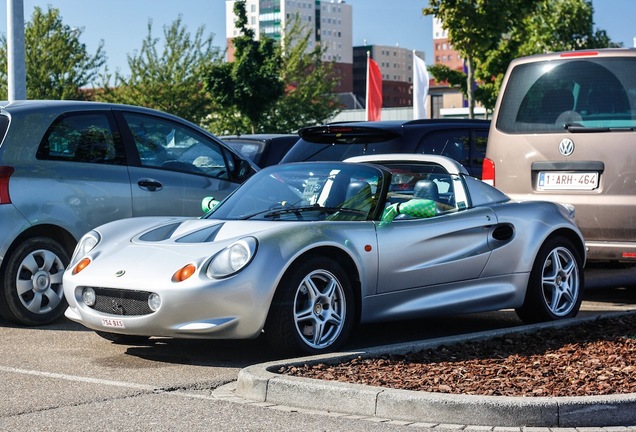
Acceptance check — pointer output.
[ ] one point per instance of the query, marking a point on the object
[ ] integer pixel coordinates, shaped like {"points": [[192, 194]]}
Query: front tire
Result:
{"points": [[313, 309], [32, 291], [555, 286]]}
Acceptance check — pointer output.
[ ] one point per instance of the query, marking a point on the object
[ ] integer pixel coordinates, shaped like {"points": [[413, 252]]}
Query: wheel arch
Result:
{"points": [[344, 260], [54, 232], [576, 240]]}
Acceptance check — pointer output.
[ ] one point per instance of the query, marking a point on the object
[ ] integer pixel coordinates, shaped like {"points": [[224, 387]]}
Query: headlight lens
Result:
{"points": [[233, 258], [154, 302], [88, 296], [85, 245]]}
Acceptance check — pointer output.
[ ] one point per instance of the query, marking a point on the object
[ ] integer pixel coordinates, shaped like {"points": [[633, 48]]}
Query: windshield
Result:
{"points": [[579, 95], [306, 192]]}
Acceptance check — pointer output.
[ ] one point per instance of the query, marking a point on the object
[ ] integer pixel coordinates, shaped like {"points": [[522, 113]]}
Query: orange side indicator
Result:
{"points": [[184, 273], [81, 265]]}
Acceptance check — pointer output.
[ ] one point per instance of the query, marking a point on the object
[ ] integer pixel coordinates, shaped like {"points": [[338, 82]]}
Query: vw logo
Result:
{"points": [[566, 147]]}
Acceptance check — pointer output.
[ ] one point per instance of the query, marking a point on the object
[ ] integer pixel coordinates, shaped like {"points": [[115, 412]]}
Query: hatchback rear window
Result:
{"points": [[549, 96]]}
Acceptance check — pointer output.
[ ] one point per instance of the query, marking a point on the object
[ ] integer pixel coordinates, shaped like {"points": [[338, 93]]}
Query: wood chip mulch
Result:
{"points": [[592, 358]]}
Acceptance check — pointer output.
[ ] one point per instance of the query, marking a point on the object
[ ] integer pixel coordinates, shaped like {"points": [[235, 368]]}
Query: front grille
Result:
{"points": [[121, 302]]}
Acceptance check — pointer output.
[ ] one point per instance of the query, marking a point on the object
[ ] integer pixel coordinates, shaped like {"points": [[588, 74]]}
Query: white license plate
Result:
{"points": [[114, 323], [557, 180]]}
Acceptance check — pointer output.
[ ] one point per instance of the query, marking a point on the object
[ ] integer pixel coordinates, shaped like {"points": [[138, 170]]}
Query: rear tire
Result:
{"points": [[32, 291], [555, 286], [313, 309]]}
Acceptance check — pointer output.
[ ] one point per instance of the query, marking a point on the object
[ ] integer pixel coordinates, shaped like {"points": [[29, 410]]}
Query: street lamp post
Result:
{"points": [[16, 65]]}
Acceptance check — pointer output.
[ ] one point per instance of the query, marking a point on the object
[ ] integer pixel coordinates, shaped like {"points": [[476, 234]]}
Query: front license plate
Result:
{"points": [[114, 323], [562, 180]]}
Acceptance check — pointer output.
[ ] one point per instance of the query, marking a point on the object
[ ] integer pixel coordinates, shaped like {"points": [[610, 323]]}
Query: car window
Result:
{"points": [[307, 192], [168, 145], [86, 137], [452, 143], [544, 96], [425, 181]]}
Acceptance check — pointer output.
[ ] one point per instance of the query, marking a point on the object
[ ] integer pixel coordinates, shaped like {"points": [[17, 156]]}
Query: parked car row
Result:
{"points": [[561, 132]]}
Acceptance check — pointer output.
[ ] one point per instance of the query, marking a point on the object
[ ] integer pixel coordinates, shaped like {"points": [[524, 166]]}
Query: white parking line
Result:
{"points": [[78, 378]]}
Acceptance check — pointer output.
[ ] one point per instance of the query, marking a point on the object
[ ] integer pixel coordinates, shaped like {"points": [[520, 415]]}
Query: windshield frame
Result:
{"points": [[298, 192]]}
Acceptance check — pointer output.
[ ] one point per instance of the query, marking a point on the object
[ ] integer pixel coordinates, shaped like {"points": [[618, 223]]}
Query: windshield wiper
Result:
{"points": [[577, 128], [316, 207]]}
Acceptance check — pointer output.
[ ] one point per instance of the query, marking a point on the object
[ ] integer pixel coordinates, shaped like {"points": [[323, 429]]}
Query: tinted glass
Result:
{"points": [[546, 96], [452, 143], [168, 145], [307, 151], [82, 138]]}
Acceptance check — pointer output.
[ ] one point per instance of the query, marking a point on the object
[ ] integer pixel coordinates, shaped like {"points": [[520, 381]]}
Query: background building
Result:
{"points": [[330, 25], [329, 22], [443, 52], [396, 66]]}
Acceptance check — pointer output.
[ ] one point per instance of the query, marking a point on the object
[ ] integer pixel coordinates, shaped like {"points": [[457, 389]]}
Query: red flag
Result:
{"points": [[374, 91]]}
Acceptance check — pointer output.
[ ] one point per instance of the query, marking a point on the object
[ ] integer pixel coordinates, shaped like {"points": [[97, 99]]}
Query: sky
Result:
{"points": [[123, 24]]}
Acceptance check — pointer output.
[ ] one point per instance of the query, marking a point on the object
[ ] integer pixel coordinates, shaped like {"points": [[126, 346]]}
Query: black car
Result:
{"points": [[461, 139], [263, 149]]}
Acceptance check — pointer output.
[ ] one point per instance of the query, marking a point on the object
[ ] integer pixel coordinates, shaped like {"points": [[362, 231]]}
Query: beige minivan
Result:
{"points": [[564, 130]]}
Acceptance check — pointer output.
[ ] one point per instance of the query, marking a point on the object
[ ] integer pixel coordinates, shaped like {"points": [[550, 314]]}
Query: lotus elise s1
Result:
{"points": [[306, 251]]}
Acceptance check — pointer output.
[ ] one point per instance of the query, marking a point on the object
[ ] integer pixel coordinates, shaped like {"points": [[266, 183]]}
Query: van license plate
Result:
{"points": [[562, 180], [114, 323]]}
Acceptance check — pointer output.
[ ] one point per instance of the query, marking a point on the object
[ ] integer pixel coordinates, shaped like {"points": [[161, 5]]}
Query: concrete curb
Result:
{"points": [[261, 383]]}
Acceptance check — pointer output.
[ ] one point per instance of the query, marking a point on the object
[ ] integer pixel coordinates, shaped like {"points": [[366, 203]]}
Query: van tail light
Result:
{"points": [[488, 172], [5, 173]]}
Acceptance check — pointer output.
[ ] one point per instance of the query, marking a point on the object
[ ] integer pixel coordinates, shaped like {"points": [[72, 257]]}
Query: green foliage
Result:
{"points": [[489, 34], [310, 83], [58, 65], [250, 85], [168, 79], [271, 87]]}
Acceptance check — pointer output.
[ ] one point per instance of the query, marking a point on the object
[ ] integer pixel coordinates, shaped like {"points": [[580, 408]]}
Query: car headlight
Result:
{"points": [[85, 245], [232, 259]]}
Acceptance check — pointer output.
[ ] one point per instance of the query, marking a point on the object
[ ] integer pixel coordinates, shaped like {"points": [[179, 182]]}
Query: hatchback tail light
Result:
{"points": [[488, 172], [5, 173]]}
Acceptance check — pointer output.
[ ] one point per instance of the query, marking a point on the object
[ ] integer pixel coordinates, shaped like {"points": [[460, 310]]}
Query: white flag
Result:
{"points": [[420, 87]]}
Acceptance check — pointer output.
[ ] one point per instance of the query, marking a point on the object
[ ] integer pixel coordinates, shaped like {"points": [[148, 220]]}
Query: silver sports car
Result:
{"points": [[305, 251]]}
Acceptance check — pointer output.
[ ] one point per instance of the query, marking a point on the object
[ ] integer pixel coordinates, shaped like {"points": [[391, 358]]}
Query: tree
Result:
{"points": [[167, 78], [531, 27], [245, 90], [58, 65], [475, 27], [309, 97]]}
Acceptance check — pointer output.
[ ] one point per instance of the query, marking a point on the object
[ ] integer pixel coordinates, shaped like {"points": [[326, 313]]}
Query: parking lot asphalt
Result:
{"points": [[261, 383]]}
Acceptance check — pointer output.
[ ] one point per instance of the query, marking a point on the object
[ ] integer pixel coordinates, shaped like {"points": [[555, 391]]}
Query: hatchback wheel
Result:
{"points": [[313, 310], [555, 287], [32, 286]]}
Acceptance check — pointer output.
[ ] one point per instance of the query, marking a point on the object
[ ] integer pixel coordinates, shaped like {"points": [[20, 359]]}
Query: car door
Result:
{"points": [[416, 253], [176, 166], [79, 179]]}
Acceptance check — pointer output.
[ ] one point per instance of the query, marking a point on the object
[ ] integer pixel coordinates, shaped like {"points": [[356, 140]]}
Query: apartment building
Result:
{"points": [[329, 23]]}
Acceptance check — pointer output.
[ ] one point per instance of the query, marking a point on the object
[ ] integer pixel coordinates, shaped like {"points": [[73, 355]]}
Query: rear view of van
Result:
{"points": [[564, 130]]}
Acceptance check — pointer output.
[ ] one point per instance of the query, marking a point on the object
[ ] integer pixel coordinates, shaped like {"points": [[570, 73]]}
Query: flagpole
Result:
{"points": [[366, 116]]}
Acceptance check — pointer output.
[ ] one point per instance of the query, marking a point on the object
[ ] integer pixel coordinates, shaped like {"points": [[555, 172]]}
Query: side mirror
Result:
{"points": [[208, 203]]}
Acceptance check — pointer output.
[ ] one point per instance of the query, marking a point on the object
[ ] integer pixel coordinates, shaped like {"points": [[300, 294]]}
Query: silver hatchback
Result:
{"points": [[68, 166]]}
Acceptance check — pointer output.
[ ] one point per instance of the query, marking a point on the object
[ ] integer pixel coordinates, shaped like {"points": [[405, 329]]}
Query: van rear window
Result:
{"points": [[550, 96]]}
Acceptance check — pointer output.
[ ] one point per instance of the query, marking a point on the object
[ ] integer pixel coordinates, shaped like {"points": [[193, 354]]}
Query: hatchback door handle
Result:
{"points": [[149, 184]]}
